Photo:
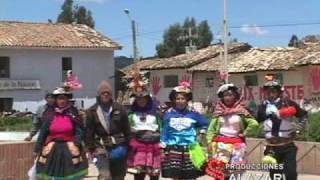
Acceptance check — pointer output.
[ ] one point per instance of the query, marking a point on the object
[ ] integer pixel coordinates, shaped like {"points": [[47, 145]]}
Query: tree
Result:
{"points": [[205, 35], [90, 20], [190, 22], [78, 14], [83, 16], [177, 37], [172, 44], [67, 15]]}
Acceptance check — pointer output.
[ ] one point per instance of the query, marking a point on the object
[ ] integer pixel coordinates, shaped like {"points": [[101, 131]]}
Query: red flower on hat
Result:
{"points": [[269, 77], [223, 75], [72, 81], [185, 84]]}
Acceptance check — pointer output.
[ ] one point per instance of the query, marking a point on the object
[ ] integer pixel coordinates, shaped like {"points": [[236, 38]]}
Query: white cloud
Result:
{"points": [[253, 30]]}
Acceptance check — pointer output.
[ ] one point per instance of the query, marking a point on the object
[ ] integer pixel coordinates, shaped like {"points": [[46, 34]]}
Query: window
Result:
{"points": [[279, 77], [251, 80], [66, 66], [171, 81], [6, 104], [4, 67], [209, 82]]}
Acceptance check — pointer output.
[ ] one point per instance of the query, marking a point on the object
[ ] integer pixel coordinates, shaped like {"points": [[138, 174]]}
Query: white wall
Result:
{"points": [[163, 94], [296, 84], [91, 66], [200, 91]]}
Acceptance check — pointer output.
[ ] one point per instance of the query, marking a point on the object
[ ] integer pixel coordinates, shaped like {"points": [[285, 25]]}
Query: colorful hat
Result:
{"points": [[72, 81], [227, 87], [272, 83], [184, 87], [138, 85], [70, 85]]}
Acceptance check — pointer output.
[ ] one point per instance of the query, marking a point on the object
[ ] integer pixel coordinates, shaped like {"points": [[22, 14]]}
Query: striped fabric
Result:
{"points": [[176, 163]]}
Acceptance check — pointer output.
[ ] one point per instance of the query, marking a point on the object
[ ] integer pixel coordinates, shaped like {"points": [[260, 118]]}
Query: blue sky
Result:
{"points": [[154, 16]]}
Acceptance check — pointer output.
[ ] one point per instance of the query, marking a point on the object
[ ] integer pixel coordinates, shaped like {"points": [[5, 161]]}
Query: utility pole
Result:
{"points": [[134, 40], [191, 47], [225, 39], [134, 36]]}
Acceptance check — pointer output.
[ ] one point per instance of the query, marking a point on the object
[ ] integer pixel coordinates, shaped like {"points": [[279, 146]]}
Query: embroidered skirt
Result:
{"points": [[176, 163], [225, 150], [144, 158], [57, 162]]}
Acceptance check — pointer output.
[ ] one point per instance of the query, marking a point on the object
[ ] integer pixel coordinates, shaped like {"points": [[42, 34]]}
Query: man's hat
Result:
{"points": [[272, 83]]}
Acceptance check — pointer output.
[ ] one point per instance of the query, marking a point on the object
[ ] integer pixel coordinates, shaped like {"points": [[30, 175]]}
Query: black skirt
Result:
{"points": [[60, 164], [176, 163]]}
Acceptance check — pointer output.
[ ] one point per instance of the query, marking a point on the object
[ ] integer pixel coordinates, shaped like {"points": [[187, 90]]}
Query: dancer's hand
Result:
{"points": [[73, 149], [162, 145], [47, 149]]}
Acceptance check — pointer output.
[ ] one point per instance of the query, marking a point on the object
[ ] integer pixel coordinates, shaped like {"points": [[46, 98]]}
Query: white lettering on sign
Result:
{"points": [[19, 84]]}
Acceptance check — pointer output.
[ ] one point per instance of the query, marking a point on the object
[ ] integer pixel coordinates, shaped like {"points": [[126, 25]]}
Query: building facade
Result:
{"points": [[30, 68]]}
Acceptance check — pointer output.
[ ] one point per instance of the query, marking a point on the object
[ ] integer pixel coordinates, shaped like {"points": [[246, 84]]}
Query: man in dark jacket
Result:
{"points": [[276, 113], [37, 118], [108, 134]]}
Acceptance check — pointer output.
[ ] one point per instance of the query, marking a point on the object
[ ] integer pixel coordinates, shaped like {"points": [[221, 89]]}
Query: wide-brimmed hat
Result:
{"points": [[62, 91]]}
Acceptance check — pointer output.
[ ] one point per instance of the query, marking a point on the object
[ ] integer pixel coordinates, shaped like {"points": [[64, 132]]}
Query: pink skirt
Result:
{"points": [[145, 157]]}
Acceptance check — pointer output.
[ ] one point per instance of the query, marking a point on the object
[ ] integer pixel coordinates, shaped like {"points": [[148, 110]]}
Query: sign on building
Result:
{"points": [[19, 84]]}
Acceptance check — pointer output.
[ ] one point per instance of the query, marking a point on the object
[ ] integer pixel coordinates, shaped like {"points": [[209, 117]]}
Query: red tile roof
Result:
{"points": [[50, 35]]}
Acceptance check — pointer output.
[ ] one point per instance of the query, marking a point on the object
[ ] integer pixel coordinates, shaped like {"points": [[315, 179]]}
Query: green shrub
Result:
{"points": [[15, 123], [312, 131]]}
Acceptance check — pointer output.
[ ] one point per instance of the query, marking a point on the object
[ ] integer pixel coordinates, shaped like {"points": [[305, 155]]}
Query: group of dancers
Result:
{"points": [[142, 141]]}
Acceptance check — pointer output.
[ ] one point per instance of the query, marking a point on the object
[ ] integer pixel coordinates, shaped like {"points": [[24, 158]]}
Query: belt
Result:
{"points": [[279, 141]]}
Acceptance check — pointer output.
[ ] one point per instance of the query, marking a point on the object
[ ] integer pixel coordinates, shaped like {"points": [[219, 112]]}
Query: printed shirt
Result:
{"points": [[180, 127], [144, 122]]}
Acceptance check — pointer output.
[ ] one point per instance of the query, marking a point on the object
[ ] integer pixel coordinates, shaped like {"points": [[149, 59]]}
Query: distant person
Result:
{"points": [[37, 118]]}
